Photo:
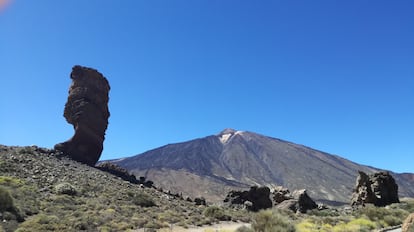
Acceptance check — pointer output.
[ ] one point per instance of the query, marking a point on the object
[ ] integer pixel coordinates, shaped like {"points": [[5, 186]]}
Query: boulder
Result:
{"points": [[408, 224], [301, 202], [305, 203], [87, 110], [291, 205], [378, 188], [200, 201], [255, 199], [280, 194]]}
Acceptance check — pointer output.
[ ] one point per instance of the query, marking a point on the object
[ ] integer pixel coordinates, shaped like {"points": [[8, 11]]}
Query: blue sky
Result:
{"points": [[337, 76]]}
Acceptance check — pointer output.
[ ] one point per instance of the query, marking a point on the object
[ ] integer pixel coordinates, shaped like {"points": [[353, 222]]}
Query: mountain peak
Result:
{"points": [[228, 133], [237, 159]]}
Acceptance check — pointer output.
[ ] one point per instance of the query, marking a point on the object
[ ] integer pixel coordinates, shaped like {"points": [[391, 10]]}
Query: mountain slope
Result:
{"points": [[50, 192], [213, 165]]}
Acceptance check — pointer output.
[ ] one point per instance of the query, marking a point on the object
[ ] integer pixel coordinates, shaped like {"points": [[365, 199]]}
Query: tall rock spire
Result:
{"points": [[87, 110]]}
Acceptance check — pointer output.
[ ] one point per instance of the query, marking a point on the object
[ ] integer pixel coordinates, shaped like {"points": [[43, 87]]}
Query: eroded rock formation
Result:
{"points": [[379, 189], [87, 110]]}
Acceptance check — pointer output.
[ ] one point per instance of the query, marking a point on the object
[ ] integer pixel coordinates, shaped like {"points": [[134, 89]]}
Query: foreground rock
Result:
{"points": [[379, 189], [87, 110]]}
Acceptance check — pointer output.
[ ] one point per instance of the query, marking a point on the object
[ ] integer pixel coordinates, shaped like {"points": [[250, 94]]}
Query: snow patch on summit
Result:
{"points": [[226, 135]]}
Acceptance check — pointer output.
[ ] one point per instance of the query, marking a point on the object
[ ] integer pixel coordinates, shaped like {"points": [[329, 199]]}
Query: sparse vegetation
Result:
{"points": [[383, 216], [143, 200], [216, 212], [367, 218], [271, 220]]}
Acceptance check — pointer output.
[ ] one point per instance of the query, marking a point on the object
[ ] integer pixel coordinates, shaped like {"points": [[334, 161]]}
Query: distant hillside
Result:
{"points": [[232, 159]]}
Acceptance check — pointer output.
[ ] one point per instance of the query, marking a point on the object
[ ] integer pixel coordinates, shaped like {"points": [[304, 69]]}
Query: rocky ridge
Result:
{"points": [[52, 192]]}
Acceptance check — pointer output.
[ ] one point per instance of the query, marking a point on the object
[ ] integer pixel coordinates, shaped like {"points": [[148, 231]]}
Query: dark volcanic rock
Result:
{"points": [[255, 199], [118, 171], [305, 203], [379, 189], [87, 110], [200, 201]]}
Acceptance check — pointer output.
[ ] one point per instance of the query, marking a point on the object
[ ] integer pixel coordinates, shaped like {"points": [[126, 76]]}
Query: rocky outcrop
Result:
{"points": [[123, 174], [300, 202], [408, 224], [200, 201], [379, 189], [87, 110], [255, 199], [258, 198], [280, 194]]}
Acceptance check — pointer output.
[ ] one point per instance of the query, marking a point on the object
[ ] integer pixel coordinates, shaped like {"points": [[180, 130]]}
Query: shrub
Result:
{"points": [[268, 220], [65, 188], [391, 220], [217, 213], [143, 200], [306, 226], [6, 201], [42, 222], [363, 224]]}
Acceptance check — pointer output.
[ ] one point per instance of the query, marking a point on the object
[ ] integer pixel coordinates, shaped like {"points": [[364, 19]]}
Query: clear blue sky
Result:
{"points": [[337, 76]]}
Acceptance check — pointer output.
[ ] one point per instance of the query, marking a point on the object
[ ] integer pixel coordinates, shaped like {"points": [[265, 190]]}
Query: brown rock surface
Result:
{"points": [[300, 202], [379, 189], [87, 110], [408, 224]]}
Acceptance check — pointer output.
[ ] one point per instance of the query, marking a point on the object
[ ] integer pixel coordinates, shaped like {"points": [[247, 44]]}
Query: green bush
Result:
{"points": [[392, 220], [271, 221], [143, 200], [217, 213], [42, 222], [6, 201]]}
